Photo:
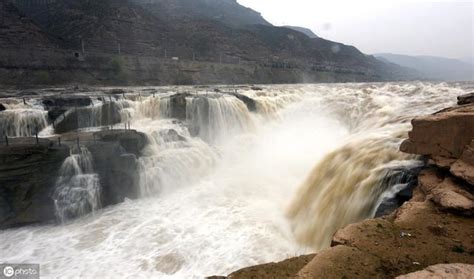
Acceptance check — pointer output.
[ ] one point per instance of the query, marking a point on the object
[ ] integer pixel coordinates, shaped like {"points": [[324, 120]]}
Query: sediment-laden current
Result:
{"points": [[225, 184]]}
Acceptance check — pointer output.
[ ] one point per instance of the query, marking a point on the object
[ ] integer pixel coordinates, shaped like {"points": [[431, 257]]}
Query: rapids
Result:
{"points": [[244, 188]]}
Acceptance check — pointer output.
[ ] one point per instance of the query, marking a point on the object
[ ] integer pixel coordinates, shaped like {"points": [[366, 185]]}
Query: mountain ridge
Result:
{"points": [[161, 30], [433, 67]]}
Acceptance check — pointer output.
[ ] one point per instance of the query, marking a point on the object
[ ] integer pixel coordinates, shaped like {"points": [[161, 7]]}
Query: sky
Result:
{"points": [[412, 27]]}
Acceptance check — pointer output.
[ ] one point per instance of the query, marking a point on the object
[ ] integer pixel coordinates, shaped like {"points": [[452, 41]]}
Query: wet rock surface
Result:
{"points": [[249, 102], [29, 170], [178, 105], [25, 190], [91, 116], [466, 99], [398, 176]]}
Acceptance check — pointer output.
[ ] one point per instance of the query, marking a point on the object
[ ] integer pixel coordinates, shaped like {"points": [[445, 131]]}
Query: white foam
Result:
{"points": [[233, 215]]}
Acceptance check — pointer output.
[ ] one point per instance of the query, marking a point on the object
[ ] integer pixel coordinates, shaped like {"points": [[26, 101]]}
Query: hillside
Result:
{"points": [[142, 35], [431, 67], [228, 12], [308, 32]]}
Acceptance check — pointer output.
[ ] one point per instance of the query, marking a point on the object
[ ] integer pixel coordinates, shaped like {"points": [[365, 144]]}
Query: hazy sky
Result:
{"points": [[414, 27]]}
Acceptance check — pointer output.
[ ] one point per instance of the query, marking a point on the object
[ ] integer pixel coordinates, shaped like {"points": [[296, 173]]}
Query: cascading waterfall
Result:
{"points": [[218, 117], [342, 190], [173, 159], [250, 188], [22, 122], [345, 186], [77, 190], [154, 108]]}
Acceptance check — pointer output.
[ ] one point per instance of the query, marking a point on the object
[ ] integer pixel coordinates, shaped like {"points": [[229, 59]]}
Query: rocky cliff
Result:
{"points": [[434, 227], [27, 194], [167, 42]]}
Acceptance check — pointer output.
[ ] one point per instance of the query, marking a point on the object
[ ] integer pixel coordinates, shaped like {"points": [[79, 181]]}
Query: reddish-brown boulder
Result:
{"points": [[445, 133], [447, 271], [464, 167]]}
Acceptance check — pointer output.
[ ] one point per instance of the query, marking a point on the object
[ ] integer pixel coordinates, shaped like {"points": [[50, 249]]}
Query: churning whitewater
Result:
{"points": [[234, 186]]}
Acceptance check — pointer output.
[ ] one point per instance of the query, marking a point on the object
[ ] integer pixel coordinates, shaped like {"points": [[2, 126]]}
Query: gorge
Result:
{"points": [[197, 181]]}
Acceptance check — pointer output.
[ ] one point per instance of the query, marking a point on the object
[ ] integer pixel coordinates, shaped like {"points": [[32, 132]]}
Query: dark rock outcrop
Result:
{"points": [[28, 172], [58, 105], [2, 107], [117, 170], [67, 101], [178, 105], [131, 141], [397, 176], [466, 99], [91, 116], [249, 102]]}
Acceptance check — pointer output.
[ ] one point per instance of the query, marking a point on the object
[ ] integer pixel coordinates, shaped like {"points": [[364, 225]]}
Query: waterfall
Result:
{"points": [[218, 117], [342, 189], [173, 158], [348, 184], [77, 190], [22, 122], [223, 188], [154, 108], [97, 115]]}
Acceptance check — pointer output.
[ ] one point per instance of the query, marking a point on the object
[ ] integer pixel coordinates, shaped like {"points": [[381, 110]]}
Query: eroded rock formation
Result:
{"points": [[29, 170]]}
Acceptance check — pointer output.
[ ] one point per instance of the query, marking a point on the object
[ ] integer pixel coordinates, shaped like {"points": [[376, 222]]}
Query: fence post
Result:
{"points": [[24, 100], [78, 146], [77, 116], [59, 141], [6, 139]]}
